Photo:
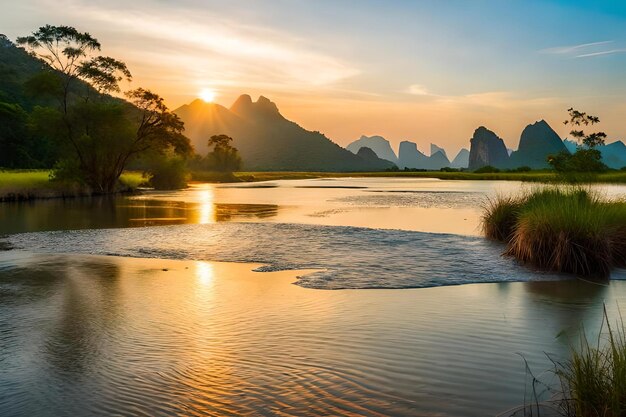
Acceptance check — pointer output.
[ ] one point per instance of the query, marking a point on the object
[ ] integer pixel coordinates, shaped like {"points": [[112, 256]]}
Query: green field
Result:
{"points": [[29, 184], [537, 176], [37, 183]]}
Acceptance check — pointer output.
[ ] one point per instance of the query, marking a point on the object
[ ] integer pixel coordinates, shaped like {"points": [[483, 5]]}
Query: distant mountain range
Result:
{"points": [[613, 154], [268, 141], [408, 154], [537, 142]]}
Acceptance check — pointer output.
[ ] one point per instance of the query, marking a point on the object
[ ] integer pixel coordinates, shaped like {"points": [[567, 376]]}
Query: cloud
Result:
{"points": [[585, 50], [212, 47], [418, 90], [602, 53], [566, 50]]}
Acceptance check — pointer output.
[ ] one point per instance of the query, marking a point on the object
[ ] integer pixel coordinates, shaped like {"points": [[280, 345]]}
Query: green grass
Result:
{"points": [[562, 229], [533, 176], [21, 180], [593, 381], [33, 184]]}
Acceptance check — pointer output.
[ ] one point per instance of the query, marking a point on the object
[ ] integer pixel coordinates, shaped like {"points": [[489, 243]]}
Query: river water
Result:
{"points": [[148, 305]]}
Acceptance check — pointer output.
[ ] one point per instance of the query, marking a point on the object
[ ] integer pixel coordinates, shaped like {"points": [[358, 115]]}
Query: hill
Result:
{"points": [[378, 144], [266, 140], [486, 148], [537, 142], [461, 160]]}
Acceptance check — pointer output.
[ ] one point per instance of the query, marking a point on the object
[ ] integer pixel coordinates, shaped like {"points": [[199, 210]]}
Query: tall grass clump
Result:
{"points": [[593, 381], [560, 229]]}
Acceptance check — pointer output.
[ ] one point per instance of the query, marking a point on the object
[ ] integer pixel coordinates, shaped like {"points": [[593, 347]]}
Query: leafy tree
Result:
{"points": [[13, 135], [101, 134], [224, 157], [586, 159]]}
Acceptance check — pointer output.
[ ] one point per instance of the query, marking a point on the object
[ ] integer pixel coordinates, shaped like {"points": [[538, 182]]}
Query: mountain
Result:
{"points": [[437, 161], [268, 141], [613, 154], [378, 144], [367, 154], [571, 145], [486, 148], [410, 157], [434, 149], [461, 160], [536, 143]]}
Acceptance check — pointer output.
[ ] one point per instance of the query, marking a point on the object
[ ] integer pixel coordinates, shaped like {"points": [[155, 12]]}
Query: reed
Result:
{"points": [[560, 229], [594, 379]]}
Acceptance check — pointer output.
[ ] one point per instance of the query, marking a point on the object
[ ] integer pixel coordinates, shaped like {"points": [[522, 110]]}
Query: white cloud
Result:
{"points": [[566, 50], [418, 90], [585, 50], [220, 49]]}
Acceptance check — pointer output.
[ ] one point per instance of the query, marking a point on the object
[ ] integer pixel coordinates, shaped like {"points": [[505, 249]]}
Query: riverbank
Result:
{"points": [[25, 185], [616, 177]]}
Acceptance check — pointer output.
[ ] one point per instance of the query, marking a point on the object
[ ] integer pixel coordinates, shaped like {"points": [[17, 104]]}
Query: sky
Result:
{"points": [[429, 71]]}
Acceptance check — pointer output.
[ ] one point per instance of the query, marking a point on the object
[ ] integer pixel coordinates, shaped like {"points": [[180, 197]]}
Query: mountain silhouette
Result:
{"points": [[268, 141], [537, 142], [410, 157], [487, 149], [461, 160], [378, 144]]}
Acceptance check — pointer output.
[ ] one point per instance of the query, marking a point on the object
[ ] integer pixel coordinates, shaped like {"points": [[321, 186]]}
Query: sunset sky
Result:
{"points": [[427, 71]]}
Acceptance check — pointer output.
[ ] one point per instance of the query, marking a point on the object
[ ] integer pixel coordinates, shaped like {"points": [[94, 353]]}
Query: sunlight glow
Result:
{"points": [[207, 95], [206, 213], [204, 272]]}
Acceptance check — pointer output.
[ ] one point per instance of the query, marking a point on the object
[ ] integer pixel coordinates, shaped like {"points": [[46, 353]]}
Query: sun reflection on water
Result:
{"points": [[206, 209], [205, 272]]}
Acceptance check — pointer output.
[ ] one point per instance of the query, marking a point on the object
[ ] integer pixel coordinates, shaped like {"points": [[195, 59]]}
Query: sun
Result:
{"points": [[207, 95]]}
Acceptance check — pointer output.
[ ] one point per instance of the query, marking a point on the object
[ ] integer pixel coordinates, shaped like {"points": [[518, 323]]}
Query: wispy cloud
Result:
{"points": [[210, 47], [602, 53], [585, 50], [418, 90], [567, 50]]}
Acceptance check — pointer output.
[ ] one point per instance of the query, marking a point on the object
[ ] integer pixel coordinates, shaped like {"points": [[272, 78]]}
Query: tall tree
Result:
{"points": [[103, 133]]}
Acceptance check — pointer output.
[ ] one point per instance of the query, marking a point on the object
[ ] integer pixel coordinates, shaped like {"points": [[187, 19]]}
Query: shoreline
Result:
{"points": [[18, 188]]}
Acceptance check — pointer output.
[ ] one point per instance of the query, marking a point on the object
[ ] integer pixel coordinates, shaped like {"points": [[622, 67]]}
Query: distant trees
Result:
{"points": [[99, 134], [586, 159], [224, 157]]}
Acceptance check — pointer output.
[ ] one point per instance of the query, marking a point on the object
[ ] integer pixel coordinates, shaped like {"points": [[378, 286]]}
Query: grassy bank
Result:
{"points": [[35, 184], [562, 229], [533, 176]]}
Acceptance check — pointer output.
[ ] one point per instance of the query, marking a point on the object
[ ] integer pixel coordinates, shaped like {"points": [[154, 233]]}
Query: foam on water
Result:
{"points": [[346, 257]]}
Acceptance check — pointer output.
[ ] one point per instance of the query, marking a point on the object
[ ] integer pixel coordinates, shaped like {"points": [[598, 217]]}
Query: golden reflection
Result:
{"points": [[206, 210], [205, 272]]}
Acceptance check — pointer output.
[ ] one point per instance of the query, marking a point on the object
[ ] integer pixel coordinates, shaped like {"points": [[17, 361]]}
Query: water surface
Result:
{"points": [[86, 335]]}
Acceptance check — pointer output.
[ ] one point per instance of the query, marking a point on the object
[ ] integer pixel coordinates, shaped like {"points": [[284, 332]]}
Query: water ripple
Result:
{"points": [[345, 257]]}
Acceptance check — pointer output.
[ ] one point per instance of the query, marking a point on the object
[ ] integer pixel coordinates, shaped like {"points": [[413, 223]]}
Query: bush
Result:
{"points": [[168, 173], [487, 169], [563, 230]]}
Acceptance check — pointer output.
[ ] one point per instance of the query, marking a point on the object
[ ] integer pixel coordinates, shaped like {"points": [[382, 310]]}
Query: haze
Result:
{"points": [[426, 71]]}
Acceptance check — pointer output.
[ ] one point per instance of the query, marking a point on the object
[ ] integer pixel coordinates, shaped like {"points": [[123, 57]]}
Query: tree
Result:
{"points": [[578, 119], [102, 133], [224, 157], [586, 159]]}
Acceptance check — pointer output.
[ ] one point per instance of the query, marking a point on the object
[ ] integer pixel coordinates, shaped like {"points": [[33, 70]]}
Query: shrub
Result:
{"points": [[168, 173], [487, 169], [564, 230]]}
